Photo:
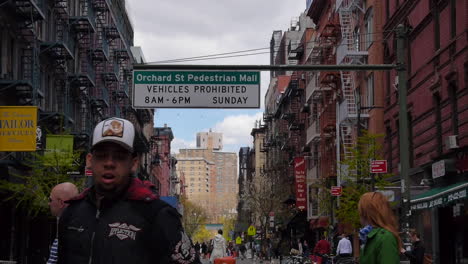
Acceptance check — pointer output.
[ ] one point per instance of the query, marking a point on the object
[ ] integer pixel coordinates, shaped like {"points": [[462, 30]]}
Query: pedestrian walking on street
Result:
{"points": [[416, 254], [61, 193], [119, 219], [380, 233], [344, 249], [242, 250], [322, 250], [197, 247], [204, 249], [219, 246]]}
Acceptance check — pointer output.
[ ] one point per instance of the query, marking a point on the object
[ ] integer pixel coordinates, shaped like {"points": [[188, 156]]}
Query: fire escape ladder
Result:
{"points": [[347, 141], [347, 83], [348, 50], [346, 17]]}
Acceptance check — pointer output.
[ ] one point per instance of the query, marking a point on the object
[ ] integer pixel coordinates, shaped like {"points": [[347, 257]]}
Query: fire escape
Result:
{"points": [[328, 83], [24, 81], [59, 49], [83, 77], [103, 59], [348, 52]]}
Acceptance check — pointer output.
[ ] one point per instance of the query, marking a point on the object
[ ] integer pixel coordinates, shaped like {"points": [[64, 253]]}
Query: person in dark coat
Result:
{"points": [[204, 249], [120, 219], [416, 254], [197, 247]]}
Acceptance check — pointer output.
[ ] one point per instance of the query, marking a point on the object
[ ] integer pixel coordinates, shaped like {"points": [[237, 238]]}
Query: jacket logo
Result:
{"points": [[123, 231]]}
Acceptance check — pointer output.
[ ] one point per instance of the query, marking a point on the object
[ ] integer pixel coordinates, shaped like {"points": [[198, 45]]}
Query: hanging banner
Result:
{"points": [[300, 179], [18, 128], [59, 150]]}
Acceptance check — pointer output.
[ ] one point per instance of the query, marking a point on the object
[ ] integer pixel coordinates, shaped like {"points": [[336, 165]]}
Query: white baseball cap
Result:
{"points": [[117, 130]]}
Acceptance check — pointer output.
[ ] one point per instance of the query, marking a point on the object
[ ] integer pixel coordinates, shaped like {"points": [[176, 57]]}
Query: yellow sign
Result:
{"points": [[18, 126], [251, 231], [238, 240]]}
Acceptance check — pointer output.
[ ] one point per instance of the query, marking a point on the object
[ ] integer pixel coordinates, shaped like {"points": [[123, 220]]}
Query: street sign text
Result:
{"points": [[196, 89]]}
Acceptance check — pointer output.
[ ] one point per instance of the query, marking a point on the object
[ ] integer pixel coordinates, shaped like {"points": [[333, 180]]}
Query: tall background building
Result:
{"points": [[210, 176]]}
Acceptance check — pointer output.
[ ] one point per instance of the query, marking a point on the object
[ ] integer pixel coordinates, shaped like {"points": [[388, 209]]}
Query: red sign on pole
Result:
{"points": [[88, 172], [300, 177], [336, 190], [378, 166]]}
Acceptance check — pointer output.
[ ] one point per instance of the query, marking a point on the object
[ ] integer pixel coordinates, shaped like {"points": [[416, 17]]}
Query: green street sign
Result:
{"points": [[196, 89]]}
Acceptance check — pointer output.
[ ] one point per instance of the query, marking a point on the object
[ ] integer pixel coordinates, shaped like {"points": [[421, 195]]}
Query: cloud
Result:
{"points": [[236, 131], [178, 143]]}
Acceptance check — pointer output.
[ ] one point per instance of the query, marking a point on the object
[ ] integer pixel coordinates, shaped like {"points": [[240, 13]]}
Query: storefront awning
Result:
{"points": [[321, 222], [440, 196]]}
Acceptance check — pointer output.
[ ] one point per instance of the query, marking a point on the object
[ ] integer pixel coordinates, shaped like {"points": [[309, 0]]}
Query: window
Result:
{"points": [[370, 90], [369, 28]]}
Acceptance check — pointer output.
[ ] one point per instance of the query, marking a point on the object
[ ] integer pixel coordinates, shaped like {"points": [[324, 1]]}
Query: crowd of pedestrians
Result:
{"points": [[98, 220]]}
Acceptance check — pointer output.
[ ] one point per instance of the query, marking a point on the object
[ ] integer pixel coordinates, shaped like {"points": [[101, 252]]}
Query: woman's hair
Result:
{"points": [[375, 209]]}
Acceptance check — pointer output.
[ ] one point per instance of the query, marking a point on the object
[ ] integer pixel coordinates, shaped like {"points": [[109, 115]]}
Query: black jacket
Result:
{"points": [[416, 255], [135, 227]]}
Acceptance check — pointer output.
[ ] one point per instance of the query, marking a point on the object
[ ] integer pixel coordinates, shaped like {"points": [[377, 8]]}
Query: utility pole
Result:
{"points": [[357, 95], [403, 130]]}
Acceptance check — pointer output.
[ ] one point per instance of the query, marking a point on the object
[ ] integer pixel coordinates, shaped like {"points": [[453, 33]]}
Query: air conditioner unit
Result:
{"points": [[451, 142]]}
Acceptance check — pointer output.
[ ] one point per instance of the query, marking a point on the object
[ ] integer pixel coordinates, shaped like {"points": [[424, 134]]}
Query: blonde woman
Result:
{"points": [[381, 242]]}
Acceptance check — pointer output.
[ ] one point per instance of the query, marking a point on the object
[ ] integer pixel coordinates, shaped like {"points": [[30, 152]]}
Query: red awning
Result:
{"points": [[321, 222]]}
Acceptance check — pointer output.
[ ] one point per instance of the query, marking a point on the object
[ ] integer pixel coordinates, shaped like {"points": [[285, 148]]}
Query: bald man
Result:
{"points": [[60, 193]]}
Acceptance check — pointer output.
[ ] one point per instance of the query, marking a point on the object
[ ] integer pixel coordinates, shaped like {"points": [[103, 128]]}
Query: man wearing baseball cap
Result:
{"points": [[119, 219]]}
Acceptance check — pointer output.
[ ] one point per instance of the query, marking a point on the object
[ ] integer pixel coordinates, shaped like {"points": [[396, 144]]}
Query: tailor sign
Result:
{"points": [[196, 89], [18, 128]]}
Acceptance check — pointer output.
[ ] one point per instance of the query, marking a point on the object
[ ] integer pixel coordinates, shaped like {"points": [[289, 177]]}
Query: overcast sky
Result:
{"points": [[174, 29]]}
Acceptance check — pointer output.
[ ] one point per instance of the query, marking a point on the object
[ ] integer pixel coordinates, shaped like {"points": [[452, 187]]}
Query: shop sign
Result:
{"points": [[18, 128], [442, 200], [300, 178], [59, 148], [438, 169]]}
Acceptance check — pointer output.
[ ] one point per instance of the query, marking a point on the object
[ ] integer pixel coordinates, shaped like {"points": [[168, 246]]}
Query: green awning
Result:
{"points": [[440, 196]]}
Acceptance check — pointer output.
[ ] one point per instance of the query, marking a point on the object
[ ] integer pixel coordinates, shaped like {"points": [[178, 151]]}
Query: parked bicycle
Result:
{"points": [[297, 259]]}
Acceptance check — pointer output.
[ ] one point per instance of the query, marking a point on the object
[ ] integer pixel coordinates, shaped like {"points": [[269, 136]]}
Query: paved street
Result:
{"points": [[248, 261]]}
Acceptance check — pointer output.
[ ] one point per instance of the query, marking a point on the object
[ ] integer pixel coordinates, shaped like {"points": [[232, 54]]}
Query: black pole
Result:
{"points": [[341, 67], [403, 128]]}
